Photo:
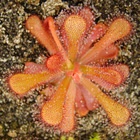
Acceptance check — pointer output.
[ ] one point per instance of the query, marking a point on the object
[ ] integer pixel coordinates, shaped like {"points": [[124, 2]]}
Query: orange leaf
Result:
{"points": [[117, 113], [95, 34], [52, 111], [67, 123], [88, 16], [21, 83], [122, 69], [109, 52], [50, 22], [54, 62], [74, 27], [35, 26], [91, 102], [80, 104], [32, 68], [106, 73], [118, 29]]}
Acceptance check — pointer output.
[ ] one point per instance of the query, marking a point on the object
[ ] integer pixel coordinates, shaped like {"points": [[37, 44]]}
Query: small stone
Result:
{"points": [[12, 133], [14, 124], [138, 80], [50, 7], [31, 129], [1, 131], [23, 129], [33, 2], [17, 41]]}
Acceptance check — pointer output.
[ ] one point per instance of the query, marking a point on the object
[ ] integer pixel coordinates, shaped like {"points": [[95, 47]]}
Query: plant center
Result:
{"points": [[75, 73]]}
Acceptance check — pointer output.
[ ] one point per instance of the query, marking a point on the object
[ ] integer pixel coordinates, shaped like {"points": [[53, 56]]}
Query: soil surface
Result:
{"points": [[18, 46]]}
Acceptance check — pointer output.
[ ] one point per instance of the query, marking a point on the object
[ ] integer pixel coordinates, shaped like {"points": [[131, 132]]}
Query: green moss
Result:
{"points": [[95, 137], [70, 138], [63, 138]]}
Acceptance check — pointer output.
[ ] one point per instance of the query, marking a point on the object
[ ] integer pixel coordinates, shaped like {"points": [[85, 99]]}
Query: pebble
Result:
{"points": [[12, 133]]}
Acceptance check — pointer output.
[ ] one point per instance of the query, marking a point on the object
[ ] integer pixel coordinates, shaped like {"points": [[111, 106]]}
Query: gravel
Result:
{"points": [[18, 47]]}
